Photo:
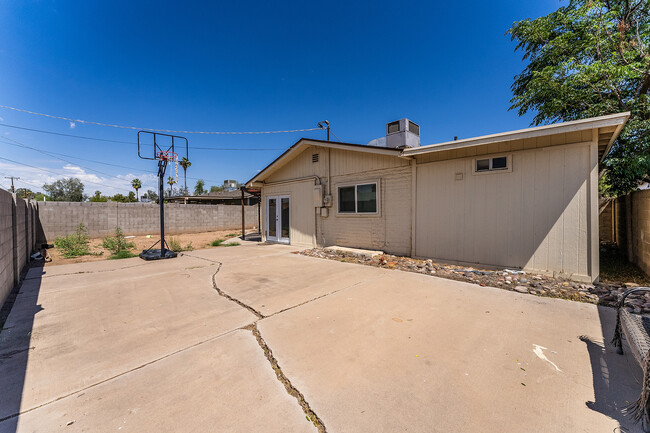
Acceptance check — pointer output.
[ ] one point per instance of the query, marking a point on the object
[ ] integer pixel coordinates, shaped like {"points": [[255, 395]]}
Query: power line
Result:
{"points": [[157, 130], [47, 171], [133, 142], [18, 144], [90, 160]]}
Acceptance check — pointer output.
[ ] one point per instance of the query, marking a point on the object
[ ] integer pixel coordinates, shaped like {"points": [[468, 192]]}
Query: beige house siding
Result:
{"points": [[535, 217], [301, 211], [389, 230]]}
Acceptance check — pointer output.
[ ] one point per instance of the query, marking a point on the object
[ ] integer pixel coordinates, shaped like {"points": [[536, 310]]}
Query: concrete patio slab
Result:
{"points": [[68, 332], [224, 384], [284, 281], [151, 346], [408, 352]]}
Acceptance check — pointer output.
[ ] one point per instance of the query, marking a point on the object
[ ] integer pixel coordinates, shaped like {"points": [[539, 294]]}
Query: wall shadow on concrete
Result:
{"points": [[616, 379], [16, 343]]}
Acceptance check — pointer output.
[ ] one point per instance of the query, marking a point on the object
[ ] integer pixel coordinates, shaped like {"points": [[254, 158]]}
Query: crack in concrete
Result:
{"points": [[268, 353], [81, 272], [207, 340], [230, 298], [292, 390]]}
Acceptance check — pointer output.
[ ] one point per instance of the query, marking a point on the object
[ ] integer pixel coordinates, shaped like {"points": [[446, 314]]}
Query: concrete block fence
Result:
{"points": [[18, 239], [62, 218], [626, 221]]}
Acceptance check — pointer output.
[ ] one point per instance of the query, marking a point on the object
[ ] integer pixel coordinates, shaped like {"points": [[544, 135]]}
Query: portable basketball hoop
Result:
{"points": [[164, 147], [166, 155]]}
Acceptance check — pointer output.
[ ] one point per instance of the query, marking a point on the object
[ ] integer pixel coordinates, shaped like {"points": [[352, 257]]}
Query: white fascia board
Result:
{"points": [[618, 119]]}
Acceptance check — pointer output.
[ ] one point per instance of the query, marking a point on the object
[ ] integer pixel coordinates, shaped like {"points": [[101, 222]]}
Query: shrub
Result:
{"points": [[231, 244], [118, 245], [218, 242], [74, 245], [124, 254], [174, 245]]}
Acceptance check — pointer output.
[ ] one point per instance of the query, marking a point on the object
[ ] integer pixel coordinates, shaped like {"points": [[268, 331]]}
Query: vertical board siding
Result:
{"points": [[301, 211], [534, 217]]}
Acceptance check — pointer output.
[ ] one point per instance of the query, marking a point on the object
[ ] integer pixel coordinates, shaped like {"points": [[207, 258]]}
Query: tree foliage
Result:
{"points": [[185, 163], [591, 58], [98, 197], [136, 184], [67, 189], [199, 188]]}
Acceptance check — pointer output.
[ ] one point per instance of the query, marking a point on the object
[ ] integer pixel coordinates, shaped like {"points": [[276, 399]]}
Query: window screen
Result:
{"points": [[499, 163], [346, 199], [482, 164], [392, 127], [367, 198]]}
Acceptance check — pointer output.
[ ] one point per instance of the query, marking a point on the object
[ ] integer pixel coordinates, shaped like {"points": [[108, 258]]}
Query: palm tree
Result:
{"points": [[185, 163], [171, 181], [136, 184]]}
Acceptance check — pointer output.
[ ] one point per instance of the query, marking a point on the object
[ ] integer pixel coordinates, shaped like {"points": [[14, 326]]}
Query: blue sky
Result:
{"points": [[244, 66]]}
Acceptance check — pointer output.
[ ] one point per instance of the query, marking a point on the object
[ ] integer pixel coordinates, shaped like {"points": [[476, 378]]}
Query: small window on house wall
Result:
{"points": [[491, 164], [358, 199]]}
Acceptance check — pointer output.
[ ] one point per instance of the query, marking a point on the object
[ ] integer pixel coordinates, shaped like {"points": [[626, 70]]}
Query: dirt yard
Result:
{"points": [[197, 240]]}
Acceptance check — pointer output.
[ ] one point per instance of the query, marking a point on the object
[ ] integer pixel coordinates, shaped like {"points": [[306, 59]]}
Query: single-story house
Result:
{"points": [[525, 199]]}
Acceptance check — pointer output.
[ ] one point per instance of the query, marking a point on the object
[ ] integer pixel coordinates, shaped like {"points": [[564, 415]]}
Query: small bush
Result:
{"points": [[188, 247], [118, 245], [74, 245], [218, 242], [174, 245], [232, 235], [124, 254], [231, 244]]}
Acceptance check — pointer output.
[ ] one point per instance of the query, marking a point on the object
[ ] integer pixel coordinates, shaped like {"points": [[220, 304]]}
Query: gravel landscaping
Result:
{"points": [[603, 293]]}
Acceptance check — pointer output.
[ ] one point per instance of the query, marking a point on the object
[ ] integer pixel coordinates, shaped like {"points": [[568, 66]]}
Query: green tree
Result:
{"points": [[171, 181], [591, 58], [214, 188], [199, 187], [185, 163], [120, 198], [41, 197], [98, 197], [136, 184], [151, 195], [24, 193], [67, 189]]}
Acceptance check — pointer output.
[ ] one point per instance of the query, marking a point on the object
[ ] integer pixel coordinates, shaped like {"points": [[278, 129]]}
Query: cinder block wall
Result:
{"points": [[606, 223], [62, 218], [18, 225], [640, 230], [631, 227]]}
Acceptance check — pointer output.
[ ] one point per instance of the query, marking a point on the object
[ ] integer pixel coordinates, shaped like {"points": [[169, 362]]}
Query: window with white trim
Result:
{"points": [[358, 199], [491, 164]]}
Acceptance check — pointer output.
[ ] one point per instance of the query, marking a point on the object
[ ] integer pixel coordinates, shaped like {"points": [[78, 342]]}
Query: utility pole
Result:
{"points": [[12, 182]]}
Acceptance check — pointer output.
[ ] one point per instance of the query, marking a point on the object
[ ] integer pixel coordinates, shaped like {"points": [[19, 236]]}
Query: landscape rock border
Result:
{"points": [[514, 280]]}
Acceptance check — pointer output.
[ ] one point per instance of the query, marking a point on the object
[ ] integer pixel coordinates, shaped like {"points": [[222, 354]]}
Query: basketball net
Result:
{"points": [[176, 171]]}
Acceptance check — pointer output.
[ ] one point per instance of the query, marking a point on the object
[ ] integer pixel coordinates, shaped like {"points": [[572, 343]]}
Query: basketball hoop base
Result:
{"points": [[155, 254]]}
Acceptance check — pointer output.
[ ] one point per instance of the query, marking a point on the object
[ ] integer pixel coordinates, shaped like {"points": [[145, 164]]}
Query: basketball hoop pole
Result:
{"points": [[162, 166], [163, 153]]}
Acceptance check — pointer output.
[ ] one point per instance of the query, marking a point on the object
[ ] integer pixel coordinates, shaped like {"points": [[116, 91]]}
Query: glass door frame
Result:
{"points": [[277, 219]]}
